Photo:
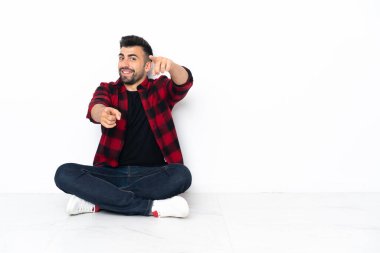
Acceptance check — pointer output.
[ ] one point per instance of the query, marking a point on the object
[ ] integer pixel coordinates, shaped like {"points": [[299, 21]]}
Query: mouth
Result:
{"points": [[126, 71]]}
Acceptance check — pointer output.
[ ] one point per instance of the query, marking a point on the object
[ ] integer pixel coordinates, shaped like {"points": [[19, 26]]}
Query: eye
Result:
{"points": [[121, 58], [133, 58]]}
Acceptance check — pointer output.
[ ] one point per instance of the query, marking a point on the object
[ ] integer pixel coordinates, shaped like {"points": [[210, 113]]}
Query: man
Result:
{"points": [[138, 167]]}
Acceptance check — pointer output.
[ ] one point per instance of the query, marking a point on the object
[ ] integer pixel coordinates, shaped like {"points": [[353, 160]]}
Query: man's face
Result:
{"points": [[132, 65]]}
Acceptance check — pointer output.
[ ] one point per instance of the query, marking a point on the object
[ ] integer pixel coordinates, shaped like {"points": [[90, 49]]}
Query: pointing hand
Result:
{"points": [[161, 64], [109, 117]]}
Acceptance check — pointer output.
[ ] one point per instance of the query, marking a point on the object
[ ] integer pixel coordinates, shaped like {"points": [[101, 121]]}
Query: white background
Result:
{"points": [[285, 96]]}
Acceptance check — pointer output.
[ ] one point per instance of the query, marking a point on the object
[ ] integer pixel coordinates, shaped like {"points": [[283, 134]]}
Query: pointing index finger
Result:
{"points": [[153, 58]]}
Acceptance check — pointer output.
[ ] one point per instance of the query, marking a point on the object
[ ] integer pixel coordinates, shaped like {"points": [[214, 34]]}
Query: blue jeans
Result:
{"points": [[128, 190]]}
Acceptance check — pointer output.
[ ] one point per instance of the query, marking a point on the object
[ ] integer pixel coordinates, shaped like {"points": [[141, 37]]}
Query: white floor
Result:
{"points": [[262, 222]]}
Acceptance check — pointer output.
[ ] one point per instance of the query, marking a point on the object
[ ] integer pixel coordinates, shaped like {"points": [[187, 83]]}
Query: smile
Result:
{"points": [[126, 71]]}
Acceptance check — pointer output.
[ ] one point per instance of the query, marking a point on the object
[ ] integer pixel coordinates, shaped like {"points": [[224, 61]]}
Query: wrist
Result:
{"points": [[96, 112]]}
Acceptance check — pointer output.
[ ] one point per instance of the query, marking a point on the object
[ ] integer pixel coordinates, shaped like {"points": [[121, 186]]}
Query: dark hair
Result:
{"points": [[133, 40]]}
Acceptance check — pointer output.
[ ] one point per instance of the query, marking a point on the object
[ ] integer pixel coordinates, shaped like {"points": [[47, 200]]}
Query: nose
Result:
{"points": [[125, 63]]}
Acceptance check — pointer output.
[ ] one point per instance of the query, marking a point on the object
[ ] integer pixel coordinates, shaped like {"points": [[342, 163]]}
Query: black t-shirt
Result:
{"points": [[140, 146]]}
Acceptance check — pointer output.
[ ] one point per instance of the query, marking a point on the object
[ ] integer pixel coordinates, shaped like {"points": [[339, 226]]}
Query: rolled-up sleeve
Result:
{"points": [[177, 92], [101, 96]]}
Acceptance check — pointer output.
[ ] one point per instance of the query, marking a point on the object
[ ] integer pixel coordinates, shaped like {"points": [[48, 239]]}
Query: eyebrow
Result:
{"points": [[121, 54]]}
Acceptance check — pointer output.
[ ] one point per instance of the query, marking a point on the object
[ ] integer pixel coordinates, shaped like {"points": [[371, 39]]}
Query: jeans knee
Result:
{"points": [[64, 174], [182, 177], [187, 178]]}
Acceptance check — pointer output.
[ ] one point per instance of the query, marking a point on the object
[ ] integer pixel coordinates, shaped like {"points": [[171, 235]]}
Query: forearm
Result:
{"points": [[96, 112], [178, 74]]}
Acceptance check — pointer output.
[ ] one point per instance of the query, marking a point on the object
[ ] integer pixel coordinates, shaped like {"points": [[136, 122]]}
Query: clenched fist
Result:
{"points": [[109, 116]]}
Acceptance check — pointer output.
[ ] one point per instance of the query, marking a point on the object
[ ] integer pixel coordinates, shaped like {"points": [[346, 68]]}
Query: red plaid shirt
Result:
{"points": [[158, 98]]}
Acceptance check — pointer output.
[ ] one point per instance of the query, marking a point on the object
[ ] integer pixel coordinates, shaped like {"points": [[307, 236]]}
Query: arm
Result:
{"points": [[178, 74], [106, 116], [99, 110]]}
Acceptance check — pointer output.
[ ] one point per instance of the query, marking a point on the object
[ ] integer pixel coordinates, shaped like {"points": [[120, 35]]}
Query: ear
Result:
{"points": [[148, 65]]}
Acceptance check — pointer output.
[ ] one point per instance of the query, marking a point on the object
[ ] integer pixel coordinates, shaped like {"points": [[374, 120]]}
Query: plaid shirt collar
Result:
{"points": [[143, 85]]}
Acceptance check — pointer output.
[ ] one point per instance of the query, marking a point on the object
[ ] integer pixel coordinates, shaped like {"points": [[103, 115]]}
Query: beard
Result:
{"points": [[132, 79]]}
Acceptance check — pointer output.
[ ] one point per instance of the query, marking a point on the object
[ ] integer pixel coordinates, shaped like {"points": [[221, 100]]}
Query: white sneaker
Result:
{"points": [[172, 207], [78, 206]]}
